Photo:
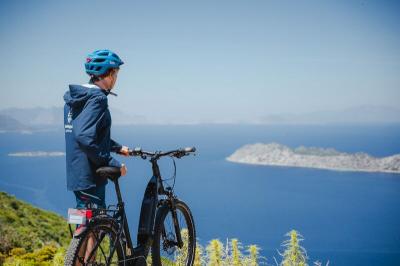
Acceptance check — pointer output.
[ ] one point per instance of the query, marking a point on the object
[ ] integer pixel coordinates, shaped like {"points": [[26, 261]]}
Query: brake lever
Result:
{"points": [[179, 154]]}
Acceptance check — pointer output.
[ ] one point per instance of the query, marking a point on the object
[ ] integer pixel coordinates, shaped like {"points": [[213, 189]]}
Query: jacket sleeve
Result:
{"points": [[115, 146], [85, 130]]}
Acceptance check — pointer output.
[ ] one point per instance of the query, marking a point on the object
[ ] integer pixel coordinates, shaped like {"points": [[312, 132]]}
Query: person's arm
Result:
{"points": [[115, 146], [85, 130]]}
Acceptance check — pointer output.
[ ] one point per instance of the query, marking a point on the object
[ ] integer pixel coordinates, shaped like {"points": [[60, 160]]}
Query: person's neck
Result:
{"points": [[101, 85]]}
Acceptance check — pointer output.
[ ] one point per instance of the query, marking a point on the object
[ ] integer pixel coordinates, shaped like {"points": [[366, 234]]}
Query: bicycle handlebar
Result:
{"points": [[173, 153]]}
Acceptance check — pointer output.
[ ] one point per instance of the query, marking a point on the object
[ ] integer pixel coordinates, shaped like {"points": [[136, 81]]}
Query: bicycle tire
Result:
{"points": [[100, 228], [190, 239]]}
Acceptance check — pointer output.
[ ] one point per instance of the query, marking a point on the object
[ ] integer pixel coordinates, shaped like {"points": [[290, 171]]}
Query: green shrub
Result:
{"points": [[40, 257], [17, 252], [199, 259], [294, 254], [2, 258], [58, 259], [215, 253]]}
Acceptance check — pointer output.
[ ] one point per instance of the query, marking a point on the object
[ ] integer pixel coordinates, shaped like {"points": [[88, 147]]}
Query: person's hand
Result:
{"points": [[124, 151], [123, 170]]}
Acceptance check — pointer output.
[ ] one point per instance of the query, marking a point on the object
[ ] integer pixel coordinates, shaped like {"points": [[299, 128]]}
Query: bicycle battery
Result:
{"points": [[148, 211]]}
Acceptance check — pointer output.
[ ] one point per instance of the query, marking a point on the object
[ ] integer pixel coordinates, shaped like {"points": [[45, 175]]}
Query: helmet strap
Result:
{"points": [[112, 93]]}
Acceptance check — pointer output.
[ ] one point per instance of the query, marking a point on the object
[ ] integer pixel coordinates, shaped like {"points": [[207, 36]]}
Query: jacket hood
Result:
{"points": [[79, 94]]}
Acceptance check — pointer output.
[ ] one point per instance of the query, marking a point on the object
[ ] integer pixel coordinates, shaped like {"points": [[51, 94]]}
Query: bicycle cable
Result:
{"points": [[173, 176]]}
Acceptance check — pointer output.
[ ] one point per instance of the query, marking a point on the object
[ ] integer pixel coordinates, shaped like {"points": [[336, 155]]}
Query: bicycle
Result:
{"points": [[166, 225]]}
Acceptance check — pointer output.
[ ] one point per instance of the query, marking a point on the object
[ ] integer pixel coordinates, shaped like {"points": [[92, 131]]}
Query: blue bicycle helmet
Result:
{"points": [[98, 62]]}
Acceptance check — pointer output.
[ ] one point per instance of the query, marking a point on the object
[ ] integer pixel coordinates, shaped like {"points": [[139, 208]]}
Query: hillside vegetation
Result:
{"points": [[29, 233]]}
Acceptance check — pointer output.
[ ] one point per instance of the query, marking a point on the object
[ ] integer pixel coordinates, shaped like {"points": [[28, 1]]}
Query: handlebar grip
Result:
{"points": [[136, 151], [189, 149]]}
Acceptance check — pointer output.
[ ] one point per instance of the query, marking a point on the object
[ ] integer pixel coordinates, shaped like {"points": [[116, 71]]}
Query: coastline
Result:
{"points": [[313, 167]]}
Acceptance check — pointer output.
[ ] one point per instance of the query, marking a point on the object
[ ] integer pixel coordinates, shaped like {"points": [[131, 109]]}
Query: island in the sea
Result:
{"points": [[313, 157], [37, 154]]}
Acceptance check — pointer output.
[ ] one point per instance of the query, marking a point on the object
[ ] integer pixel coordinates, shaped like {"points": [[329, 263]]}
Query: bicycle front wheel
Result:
{"points": [[169, 228], [98, 245]]}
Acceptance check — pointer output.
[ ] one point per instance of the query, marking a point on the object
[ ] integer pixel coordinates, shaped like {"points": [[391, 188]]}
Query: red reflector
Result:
{"points": [[89, 214], [76, 216]]}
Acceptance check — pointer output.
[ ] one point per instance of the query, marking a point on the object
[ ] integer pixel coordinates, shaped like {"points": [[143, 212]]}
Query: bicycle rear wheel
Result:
{"points": [[98, 245], [165, 248]]}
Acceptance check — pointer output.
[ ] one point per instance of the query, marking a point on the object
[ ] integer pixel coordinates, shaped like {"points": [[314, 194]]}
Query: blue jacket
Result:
{"points": [[87, 123]]}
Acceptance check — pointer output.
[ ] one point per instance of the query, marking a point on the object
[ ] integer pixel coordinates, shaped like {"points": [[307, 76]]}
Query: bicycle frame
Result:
{"points": [[150, 203]]}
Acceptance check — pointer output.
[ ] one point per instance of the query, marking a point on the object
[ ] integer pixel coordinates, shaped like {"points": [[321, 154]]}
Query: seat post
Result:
{"points": [[118, 191], [125, 221]]}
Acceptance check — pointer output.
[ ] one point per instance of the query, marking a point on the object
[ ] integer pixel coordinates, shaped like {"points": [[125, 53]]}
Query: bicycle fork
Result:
{"points": [[176, 226]]}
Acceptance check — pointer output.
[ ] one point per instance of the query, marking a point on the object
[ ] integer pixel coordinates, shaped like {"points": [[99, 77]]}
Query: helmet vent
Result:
{"points": [[99, 60]]}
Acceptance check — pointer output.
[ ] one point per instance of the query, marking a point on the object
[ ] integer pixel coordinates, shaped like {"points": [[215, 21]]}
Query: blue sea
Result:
{"points": [[346, 218]]}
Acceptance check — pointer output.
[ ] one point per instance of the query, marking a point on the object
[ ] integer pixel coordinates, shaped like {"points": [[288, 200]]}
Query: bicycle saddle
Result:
{"points": [[109, 172]]}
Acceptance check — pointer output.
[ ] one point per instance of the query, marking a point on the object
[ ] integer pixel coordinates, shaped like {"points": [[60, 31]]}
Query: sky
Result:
{"points": [[206, 60]]}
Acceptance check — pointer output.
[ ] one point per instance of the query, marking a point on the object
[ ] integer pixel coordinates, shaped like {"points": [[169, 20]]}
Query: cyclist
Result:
{"points": [[87, 123]]}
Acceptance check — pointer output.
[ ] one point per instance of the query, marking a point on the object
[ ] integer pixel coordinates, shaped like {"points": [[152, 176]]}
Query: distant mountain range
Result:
{"points": [[30, 118], [50, 118], [366, 114], [8, 123]]}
